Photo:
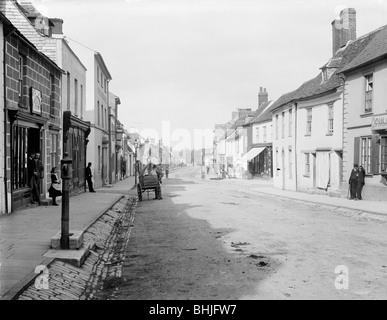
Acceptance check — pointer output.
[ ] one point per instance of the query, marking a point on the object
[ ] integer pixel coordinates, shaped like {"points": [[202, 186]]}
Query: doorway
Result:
{"points": [[283, 169]]}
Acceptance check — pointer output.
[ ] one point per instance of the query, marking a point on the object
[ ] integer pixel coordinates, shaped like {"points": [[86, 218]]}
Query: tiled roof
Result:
{"points": [[261, 113], [243, 120], [354, 51], [29, 10], [15, 14], [377, 48]]}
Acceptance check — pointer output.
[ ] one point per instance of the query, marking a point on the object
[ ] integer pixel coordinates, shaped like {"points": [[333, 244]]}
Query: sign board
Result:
{"points": [[36, 101], [379, 122]]}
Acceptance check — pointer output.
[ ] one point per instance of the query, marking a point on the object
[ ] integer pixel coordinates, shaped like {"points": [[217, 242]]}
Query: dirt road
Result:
{"points": [[212, 240]]}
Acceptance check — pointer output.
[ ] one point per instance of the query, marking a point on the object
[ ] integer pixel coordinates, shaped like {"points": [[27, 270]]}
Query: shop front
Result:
{"points": [[75, 134], [26, 134]]}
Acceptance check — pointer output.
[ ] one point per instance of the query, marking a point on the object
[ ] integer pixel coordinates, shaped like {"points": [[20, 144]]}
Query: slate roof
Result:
{"points": [[375, 50], [241, 121], [261, 113], [353, 54], [15, 13]]}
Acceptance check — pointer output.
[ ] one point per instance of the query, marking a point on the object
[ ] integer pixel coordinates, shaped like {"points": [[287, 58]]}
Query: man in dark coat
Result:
{"points": [[88, 177], [360, 183], [353, 181], [32, 170]]}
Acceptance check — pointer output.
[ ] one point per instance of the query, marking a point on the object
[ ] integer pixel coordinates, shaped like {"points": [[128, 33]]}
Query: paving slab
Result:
{"points": [[25, 235]]}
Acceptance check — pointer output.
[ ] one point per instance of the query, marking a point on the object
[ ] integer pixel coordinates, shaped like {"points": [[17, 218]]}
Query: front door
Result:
{"points": [[283, 170]]}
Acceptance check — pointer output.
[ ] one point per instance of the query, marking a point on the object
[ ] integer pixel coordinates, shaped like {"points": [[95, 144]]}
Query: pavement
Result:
{"points": [[266, 186], [25, 235]]}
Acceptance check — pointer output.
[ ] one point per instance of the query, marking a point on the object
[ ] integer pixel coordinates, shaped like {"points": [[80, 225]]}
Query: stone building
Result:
{"points": [[365, 115], [32, 108]]}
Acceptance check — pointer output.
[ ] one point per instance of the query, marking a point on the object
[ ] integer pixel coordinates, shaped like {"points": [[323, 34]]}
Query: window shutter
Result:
{"points": [[375, 147], [356, 154]]}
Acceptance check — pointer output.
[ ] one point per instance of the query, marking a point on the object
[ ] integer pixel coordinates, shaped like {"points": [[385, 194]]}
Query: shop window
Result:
{"points": [[264, 134], [20, 156]]}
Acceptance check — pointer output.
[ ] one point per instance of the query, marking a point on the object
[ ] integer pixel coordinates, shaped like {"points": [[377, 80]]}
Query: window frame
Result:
{"points": [[369, 93], [331, 119], [307, 165], [309, 119], [383, 155], [366, 157]]}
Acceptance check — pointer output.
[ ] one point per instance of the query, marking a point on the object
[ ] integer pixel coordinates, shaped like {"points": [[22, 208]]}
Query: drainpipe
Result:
{"points": [[110, 136], [295, 142]]}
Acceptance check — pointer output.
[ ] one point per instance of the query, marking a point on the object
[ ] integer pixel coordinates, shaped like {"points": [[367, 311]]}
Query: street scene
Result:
{"points": [[171, 150], [209, 241]]}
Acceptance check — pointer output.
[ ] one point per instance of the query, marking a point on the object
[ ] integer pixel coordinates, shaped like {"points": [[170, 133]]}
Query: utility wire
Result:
{"points": [[81, 44]]}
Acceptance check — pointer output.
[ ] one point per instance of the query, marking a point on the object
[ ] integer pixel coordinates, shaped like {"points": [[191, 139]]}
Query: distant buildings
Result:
{"points": [[49, 87], [309, 139]]}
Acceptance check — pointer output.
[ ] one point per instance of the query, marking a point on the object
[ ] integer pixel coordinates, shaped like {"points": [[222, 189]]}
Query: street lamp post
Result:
{"points": [[135, 162]]}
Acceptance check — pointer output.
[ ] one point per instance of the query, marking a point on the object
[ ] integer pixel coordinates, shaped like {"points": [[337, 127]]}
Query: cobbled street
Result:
{"points": [[223, 239]]}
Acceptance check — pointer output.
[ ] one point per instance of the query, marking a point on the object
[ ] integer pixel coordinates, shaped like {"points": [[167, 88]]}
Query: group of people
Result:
{"points": [[356, 182]]}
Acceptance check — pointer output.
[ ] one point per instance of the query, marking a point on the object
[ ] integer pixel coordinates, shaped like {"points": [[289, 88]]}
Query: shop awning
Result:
{"points": [[252, 154]]}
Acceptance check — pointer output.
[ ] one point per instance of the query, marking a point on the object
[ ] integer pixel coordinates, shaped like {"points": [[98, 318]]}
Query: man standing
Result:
{"points": [[88, 177], [37, 174], [353, 181], [31, 176], [360, 183]]}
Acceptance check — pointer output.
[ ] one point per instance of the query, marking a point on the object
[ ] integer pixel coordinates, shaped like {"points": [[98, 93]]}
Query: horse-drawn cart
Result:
{"points": [[148, 183]]}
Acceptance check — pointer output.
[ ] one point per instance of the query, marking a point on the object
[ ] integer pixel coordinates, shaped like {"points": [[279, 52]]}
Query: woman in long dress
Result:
{"points": [[54, 190]]}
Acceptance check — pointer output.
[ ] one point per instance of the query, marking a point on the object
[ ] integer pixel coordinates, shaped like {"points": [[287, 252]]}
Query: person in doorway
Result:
{"points": [[89, 178], [208, 169], [353, 179], [55, 188], [360, 183], [38, 175], [31, 176]]}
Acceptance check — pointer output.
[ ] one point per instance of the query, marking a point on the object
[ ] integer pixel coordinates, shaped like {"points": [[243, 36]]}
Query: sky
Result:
{"points": [[184, 65]]}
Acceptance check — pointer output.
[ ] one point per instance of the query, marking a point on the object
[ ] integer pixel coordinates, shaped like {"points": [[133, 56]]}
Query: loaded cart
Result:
{"points": [[147, 183]]}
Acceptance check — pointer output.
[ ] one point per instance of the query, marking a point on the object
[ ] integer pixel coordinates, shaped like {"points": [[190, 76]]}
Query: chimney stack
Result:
{"points": [[57, 26], [343, 29], [263, 96]]}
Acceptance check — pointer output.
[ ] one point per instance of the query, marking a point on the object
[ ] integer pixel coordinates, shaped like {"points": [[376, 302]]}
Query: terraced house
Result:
{"points": [[308, 122], [365, 114], [32, 111]]}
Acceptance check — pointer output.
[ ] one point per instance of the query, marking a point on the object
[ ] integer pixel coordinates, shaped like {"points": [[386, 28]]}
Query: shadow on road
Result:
{"points": [[172, 256]]}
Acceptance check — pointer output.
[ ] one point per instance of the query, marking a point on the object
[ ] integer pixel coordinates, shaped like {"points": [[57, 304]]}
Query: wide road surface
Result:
{"points": [[222, 239]]}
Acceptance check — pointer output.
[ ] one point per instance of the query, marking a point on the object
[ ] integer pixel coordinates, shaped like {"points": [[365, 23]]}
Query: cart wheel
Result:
{"points": [[139, 192]]}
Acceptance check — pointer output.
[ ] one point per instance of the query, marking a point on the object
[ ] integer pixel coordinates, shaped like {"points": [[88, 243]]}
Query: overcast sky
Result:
{"points": [[192, 62]]}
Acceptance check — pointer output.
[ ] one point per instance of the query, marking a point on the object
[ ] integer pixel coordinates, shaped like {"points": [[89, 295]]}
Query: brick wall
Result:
{"points": [[42, 75]]}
